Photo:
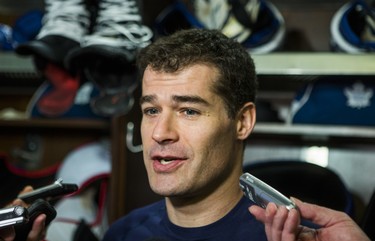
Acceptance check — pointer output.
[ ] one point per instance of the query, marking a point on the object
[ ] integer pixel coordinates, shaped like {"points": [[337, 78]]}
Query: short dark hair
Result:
{"points": [[237, 83]]}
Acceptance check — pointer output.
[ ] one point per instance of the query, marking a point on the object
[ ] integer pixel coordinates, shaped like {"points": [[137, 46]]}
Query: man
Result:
{"points": [[198, 93]]}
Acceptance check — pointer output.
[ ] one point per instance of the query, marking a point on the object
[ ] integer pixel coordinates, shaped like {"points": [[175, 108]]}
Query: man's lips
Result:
{"points": [[167, 164]]}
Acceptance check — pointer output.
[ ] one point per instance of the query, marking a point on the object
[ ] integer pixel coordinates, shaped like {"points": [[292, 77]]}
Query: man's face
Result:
{"points": [[190, 145]]}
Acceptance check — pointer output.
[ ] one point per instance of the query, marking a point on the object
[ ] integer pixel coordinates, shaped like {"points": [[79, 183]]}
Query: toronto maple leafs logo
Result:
{"points": [[358, 96]]}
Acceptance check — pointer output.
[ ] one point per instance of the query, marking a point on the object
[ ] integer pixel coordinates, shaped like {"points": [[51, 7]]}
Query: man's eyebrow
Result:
{"points": [[147, 99], [189, 99], [176, 98]]}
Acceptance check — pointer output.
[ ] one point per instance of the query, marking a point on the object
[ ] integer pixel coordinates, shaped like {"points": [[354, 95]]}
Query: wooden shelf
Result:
{"points": [[17, 65], [315, 133], [79, 124], [277, 63], [315, 64]]}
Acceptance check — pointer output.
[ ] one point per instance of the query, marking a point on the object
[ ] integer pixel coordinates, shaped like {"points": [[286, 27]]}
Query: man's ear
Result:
{"points": [[246, 120]]}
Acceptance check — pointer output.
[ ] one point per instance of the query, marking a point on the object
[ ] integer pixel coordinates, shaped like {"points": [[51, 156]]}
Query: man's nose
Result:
{"points": [[165, 129]]}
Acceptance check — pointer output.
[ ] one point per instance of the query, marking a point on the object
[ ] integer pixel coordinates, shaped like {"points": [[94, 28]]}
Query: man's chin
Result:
{"points": [[165, 189]]}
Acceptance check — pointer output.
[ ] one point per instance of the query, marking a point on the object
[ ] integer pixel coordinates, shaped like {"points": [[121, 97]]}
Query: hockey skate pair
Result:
{"points": [[88, 40]]}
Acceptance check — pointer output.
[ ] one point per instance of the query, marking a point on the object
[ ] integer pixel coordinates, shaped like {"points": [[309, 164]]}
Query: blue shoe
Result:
{"points": [[353, 28], [25, 28], [256, 24], [6, 40]]}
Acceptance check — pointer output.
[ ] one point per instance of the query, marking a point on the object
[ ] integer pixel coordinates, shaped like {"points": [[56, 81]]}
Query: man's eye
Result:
{"points": [[190, 112], [150, 111]]}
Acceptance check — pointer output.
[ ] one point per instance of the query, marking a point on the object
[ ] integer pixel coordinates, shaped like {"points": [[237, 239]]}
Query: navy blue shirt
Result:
{"points": [[152, 223]]}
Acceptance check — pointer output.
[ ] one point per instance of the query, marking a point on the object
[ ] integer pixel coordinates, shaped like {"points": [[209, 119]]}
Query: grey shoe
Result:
{"points": [[107, 55], [64, 24]]}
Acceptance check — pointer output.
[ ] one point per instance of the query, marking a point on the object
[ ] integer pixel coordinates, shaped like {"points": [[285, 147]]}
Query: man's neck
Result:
{"points": [[196, 213]]}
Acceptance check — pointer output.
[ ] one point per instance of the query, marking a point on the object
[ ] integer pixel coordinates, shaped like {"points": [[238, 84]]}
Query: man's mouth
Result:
{"points": [[166, 164], [165, 161]]}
